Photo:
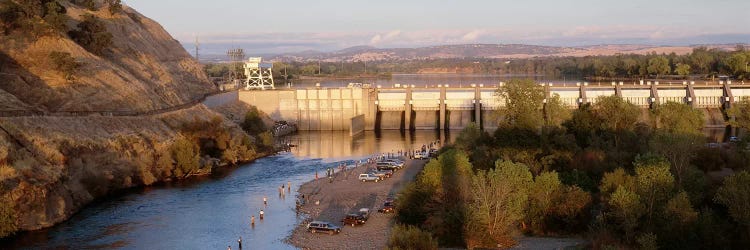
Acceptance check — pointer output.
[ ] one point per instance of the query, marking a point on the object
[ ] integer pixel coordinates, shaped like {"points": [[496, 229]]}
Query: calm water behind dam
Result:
{"points": [[214, 212]]}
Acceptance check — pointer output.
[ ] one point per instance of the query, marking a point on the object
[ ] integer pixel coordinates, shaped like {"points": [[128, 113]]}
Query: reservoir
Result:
{"points": [[213, 212]]}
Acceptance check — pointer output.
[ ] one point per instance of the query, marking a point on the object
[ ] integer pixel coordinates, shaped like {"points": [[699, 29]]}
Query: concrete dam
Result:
{"points": [[444, 107]]}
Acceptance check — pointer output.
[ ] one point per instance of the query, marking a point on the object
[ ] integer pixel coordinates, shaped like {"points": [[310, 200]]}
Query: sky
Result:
{"points": [[279, 26]]}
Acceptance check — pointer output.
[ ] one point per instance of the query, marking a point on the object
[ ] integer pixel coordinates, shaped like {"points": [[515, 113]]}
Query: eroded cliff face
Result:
{"points": [[143, 69], [51, 165]]}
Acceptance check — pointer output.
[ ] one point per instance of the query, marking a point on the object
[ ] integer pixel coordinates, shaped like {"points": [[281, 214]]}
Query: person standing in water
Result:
{"points": [[265, 200], [261, 214], [289, 186], [239, 242], [252, 220]]}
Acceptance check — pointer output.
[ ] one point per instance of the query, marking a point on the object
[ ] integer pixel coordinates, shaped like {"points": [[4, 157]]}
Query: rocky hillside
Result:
{"points": [[59, 56], [142, 68]]}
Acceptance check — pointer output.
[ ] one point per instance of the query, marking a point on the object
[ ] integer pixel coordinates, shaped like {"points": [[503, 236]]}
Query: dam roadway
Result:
{"points": [[444, 107]]}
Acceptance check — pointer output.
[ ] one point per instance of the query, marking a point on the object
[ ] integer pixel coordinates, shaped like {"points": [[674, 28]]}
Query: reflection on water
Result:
{"points": [[214, 212], [336, 146]]}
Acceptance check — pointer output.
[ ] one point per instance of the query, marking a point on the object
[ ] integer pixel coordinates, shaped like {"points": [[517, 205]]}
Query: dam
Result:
{"points": [[444, 107]]}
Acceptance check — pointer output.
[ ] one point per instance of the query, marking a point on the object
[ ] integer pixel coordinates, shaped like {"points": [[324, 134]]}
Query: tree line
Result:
{"points": [[599, 172], [701, 63]]}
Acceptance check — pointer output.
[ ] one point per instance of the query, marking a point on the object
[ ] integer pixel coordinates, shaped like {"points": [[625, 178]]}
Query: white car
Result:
{"points": [[368, 177], [421, 155]]}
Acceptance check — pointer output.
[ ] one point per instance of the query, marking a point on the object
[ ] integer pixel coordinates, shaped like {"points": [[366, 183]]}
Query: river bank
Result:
{"points": [[346, 194]]}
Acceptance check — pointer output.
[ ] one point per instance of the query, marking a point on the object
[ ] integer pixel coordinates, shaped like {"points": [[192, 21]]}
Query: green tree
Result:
{"points": [[740, 111], [114, 6], [735, 195], [682, 69], [680, 210], [411, 237], [542, 196], [617, 178], [679, 148], [737, 63], [654, 182], [659, 66], [65, 64], [468, 138], [92, 34], [523, 103], [701, 60], [680, 118], [253, 123], [185, 152], [555, 111], [500, 197], [616, 114], [55, 16], [627, 209]]}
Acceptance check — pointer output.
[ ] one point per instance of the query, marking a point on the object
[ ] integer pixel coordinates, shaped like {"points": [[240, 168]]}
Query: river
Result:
{"points": [[213, 212]]}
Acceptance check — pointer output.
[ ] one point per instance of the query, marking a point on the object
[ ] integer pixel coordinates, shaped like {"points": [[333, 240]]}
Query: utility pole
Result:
{"points": [[197, 47], [318, 66]]}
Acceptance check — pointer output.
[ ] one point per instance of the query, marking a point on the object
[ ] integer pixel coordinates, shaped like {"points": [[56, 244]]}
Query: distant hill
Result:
{"points": [[508, 51]]}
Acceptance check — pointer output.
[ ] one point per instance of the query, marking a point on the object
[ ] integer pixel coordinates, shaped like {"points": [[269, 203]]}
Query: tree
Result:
{"points": [[701, 59], [654, 182], [114, 6], [679, 148], [555, 111], [542, 196], [740, 111], [55, 16], [659, 66], [615, 179], [680, 118], [682, 69], [185, 152], [253, 123], [680, 210], [411, 237], [65, 64], [92, 34], [626, 208], [737, 63], [734, 195], [616, 114], [523, 103], [500, 197]]}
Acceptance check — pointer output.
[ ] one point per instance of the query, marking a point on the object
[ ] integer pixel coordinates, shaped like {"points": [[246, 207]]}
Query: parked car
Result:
{"points": [[385, 166], [368, 177], [323, 227], [734, 139], [395, 162], [364, 212], [388, 207], [381, 173], [421, 155], [354, 219]]}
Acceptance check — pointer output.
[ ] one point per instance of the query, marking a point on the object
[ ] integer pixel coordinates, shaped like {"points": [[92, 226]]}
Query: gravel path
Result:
{"points": [[347, 195]]}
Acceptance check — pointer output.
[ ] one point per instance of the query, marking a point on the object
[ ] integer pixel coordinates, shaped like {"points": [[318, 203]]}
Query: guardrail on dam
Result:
{"points": [[445, 107]]}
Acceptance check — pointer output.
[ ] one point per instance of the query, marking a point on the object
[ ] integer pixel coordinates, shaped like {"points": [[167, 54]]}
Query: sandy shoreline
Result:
{"points": [[346, 195]]}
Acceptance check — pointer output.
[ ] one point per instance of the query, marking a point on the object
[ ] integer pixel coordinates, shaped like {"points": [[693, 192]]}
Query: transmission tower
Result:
{"points": [[236, 56], [259, 75], [197, 48]]}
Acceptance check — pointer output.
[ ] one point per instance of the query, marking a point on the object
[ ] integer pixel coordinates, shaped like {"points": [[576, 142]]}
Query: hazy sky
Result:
{"points": [[295, 25]]}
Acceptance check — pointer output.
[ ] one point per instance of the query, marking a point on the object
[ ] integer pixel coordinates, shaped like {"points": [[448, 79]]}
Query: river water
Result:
{"points": [[213, 212]]}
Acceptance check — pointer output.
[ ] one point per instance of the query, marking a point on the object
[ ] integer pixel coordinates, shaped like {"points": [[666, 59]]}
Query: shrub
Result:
{"points": [[411, 237], [55, 17], [92, 34], [185, 153], [114, 6], [8, 224], [253, 123], [88, 4], [266, 138], [65, 64]]}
